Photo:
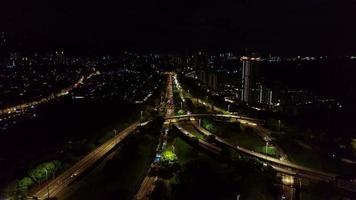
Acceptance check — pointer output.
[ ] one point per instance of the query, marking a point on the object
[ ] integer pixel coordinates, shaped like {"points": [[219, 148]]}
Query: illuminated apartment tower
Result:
{"points": [[245, 80], [265, 95], [59, 58]]}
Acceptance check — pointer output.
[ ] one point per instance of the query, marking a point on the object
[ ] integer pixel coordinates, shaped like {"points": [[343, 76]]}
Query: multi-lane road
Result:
{"points": [[280, 165], [56, 185], [148, 184]]}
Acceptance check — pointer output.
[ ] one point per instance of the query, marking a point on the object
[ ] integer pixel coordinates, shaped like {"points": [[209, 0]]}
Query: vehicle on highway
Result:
{"points": [[74, 174]]}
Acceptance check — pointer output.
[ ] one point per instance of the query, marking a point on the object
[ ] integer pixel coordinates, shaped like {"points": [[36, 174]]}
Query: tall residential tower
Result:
{"points": [[245, 79]]}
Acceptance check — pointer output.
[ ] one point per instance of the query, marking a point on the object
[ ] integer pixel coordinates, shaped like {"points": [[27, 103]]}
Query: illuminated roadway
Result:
{"points": [[148, 184], [248, 121], [57, 184], [283, 167], [279, 165]]}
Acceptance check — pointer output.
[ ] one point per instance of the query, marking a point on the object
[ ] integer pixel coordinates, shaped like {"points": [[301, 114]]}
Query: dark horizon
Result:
{"points": [[317, 27]]}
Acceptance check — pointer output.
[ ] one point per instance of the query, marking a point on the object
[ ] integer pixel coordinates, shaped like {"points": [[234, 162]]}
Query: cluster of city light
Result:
{"points": [[250, 58], [25, 106], [144, 99]]}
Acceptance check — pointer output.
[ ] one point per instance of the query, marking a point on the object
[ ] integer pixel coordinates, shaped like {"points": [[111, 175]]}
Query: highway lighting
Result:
{"points": [[251, 124], [287, 180], [141, 113]]}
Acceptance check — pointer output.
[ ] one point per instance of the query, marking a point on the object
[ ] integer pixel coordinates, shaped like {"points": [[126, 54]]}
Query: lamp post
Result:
{"points": [[181, 105], [141, 113], [266, 146], [228, 108]]}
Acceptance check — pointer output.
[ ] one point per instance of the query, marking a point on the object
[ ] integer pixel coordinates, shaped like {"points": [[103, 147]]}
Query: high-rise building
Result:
{"points": [[202, 77], [59, 58], [249, 89], [14, 58], [245, 79], [260, 96], [212, 81], [265, 95]]}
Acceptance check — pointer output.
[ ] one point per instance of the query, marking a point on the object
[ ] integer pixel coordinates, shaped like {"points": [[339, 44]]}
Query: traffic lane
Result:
{"points": [[66, 177]]}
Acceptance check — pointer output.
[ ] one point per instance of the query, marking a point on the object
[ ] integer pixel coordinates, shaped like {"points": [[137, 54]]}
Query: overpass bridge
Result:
{"points": [[279, 165], [243, 119]]}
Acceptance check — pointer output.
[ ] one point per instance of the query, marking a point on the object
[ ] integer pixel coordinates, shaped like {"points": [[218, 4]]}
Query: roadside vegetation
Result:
{"points": [[120, 175], [202, 176], [65, 145], [238, 134]]}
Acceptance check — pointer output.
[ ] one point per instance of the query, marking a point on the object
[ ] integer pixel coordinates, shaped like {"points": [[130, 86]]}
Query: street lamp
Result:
{"points": [[228, 108], [141, 113]]}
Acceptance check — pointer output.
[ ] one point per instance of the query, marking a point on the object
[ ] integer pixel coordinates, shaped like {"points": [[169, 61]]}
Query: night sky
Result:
{"points": [[276, 26]]}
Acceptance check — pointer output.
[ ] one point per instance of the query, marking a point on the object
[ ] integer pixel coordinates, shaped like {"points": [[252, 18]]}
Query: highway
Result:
{"points": [[264, 133], [279, 165], [56, 185], [282, 165], [201, 142], [255, 124], [285, 163], [148, 184], [291, 173], [244, 120], [146, 188]]}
